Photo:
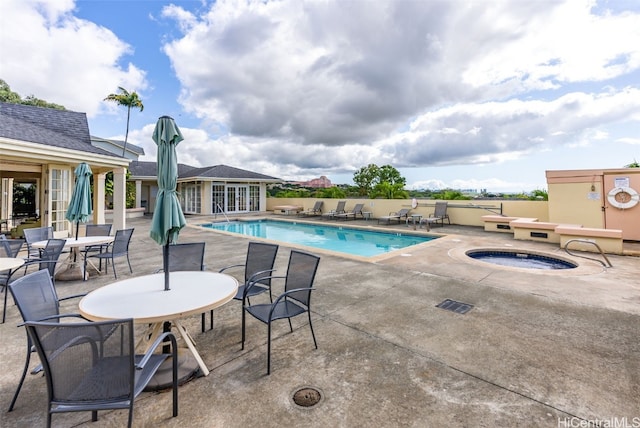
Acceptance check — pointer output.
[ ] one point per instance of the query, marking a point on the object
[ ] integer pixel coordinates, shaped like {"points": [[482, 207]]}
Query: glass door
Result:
{"points": [[237, 199], [59, 194]]}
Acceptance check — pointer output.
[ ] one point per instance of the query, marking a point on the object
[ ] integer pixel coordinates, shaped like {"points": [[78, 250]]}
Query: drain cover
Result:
{"points": [[307, 397], [455, 306]]}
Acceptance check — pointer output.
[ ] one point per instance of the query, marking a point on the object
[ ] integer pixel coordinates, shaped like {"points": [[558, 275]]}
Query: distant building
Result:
{"points": [[322, 182]]}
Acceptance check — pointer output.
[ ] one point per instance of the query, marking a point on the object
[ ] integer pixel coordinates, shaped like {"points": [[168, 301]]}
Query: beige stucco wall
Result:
{"points": [[461, 212], [580, 197]]}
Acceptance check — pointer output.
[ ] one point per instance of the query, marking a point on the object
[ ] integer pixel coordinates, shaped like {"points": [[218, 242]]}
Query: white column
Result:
{"points": [[99, 198], [119, 198], [138, 193]]}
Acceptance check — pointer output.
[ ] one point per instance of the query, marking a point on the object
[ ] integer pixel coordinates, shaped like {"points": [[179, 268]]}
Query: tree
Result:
{"points": [[633, 164], [384, 181], [129, 100], [366, 178], [8, 96]]}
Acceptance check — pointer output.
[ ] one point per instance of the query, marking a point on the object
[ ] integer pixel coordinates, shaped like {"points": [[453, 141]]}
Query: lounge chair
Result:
{"points": [[438, 215], [311, 212], [397, 216], [339, 210], [354, 213]]}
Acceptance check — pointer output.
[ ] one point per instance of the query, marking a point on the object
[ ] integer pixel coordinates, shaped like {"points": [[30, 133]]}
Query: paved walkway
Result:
{"points": [[542, 349]]}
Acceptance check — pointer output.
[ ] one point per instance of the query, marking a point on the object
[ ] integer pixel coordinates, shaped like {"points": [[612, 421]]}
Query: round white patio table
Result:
{"points": [[144, 299], [74, 270], [10, 263]]}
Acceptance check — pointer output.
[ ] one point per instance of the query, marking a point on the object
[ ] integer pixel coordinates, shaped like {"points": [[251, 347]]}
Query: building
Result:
{"points": [[40, 148], [206, 190]]}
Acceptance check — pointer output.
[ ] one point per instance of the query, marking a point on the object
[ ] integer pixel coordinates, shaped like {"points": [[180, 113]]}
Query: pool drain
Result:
{"points": [[455, 306], [307, 397]]}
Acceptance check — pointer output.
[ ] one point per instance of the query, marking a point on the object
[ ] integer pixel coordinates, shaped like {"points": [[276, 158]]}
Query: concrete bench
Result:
{"points": [[287, 209], [498, 223], [527, 230], [609, 240]]}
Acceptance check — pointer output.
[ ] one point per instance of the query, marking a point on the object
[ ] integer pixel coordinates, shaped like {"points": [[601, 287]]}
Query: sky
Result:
{"points": [[479, 94]]}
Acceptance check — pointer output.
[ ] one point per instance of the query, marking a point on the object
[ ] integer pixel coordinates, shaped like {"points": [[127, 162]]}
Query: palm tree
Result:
{"points": [[129, 100]]}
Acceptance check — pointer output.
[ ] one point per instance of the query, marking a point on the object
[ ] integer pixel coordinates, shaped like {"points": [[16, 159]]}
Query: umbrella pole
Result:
{"points": [[165, 265]]}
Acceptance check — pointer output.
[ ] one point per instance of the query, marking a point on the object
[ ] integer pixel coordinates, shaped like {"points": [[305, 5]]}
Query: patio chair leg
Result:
{"points": [[24, 374], [4, 311], [269, 348], [243, 325], [312, 333]]}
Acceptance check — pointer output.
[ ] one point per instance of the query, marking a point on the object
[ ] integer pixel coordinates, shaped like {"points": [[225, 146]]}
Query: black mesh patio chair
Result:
{"points": [[91, 366], [118, 248], [36, 234], [9, 248], [97, 230], [49, 257], [37, 300], [258, 268], [295, 300]]}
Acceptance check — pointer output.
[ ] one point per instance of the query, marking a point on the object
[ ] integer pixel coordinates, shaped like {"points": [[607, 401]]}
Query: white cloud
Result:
{"points": [[60, 58]]}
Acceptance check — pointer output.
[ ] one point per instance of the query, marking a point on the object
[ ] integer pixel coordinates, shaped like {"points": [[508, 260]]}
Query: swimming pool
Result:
{"points": [[346, 240]]}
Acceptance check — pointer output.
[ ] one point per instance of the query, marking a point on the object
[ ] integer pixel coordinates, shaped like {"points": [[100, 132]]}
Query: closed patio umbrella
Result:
{"points": [[168, 218], [80, 208]]}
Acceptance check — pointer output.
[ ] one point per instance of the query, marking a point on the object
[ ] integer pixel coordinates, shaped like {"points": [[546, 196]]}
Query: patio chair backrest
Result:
{"points": [[358, 209], [35, 296], [10, 247], [340, 206], [50, 255], [36, 234], [301, 273], [187, 256], [440, 210], [260, 258], [121, 242], [317, 207], [98, 230], [403, 212]]}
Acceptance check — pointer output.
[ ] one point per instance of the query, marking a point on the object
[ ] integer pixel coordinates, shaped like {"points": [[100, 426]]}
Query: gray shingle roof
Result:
{"points": [[225, 172], [222, 172], [50, 127], [149, 169], [120, 144]]}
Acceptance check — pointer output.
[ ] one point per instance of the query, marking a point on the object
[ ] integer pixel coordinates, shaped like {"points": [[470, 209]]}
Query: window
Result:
{"points": [[192, 198], [254, 197], [60, 183], [217, 198]]}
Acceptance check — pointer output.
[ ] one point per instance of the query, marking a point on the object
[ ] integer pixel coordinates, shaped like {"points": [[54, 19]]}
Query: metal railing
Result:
{"points": [[215, 215], [585, 241]]}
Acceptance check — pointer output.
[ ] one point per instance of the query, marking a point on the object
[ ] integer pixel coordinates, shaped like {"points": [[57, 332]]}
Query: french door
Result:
{"points": [[237, 198]]}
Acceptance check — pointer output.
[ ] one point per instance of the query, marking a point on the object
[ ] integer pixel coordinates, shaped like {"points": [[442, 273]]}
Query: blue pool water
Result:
{"points": [[340, 239]]}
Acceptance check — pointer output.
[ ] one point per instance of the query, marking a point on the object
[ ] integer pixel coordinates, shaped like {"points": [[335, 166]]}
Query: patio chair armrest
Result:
{"points": [[229, 267], [54, 317], [251, 278], [286, 293], [156, 343], [252, 283], [75, 296]]}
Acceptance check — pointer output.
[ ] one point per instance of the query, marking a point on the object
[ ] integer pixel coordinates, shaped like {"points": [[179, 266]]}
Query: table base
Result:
{"points": [[188, 369], [72, 272]]}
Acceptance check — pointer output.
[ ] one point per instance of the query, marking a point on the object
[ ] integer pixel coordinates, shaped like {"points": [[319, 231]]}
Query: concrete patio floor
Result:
{"points": [[543, 349]]}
